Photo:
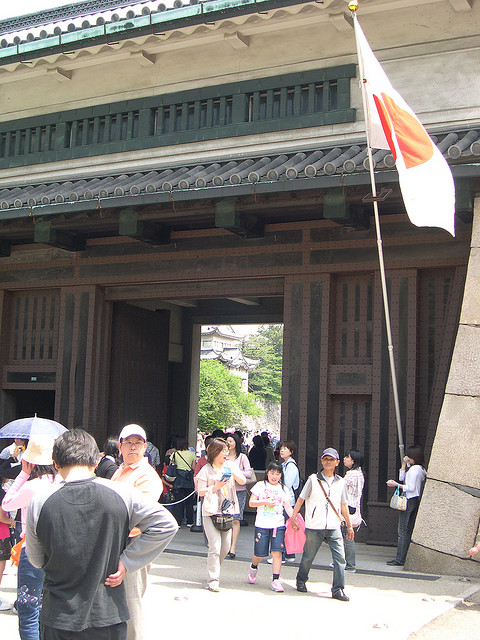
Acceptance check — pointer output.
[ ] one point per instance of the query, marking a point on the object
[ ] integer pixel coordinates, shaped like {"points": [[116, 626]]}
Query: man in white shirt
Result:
{"points": [[137, 472], [325, 503]]}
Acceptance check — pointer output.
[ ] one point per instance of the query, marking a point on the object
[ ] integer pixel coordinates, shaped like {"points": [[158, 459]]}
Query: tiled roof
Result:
{"points": [[94, 20], [459, 147]]}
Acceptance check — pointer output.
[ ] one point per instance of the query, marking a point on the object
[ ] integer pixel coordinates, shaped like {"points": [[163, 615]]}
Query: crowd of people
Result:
{"points": [[65, 486]]}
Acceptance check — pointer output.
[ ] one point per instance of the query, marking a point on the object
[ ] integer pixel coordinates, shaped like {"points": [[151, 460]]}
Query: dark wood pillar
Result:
{"points": [[139, 371], [83, 359], [306, 408]]}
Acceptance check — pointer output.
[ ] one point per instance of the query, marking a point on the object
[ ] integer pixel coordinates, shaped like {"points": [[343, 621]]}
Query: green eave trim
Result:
{"points": [[154, 23]]}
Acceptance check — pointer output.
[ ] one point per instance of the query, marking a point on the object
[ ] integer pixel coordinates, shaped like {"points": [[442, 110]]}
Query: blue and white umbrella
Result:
{"points": [[27, 428]]}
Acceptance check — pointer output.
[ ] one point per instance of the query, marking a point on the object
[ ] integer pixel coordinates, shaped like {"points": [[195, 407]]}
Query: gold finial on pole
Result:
{"points": [[353, 5]]}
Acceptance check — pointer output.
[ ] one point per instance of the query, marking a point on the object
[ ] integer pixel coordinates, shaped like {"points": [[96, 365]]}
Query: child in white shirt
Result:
{"points": [[271, 499]]}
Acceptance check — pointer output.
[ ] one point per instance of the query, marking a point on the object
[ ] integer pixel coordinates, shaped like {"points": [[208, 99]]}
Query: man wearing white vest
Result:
{"points": [[325, 509]]}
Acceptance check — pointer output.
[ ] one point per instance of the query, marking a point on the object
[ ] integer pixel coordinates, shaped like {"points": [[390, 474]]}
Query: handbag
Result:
{"points": [[171, 472], [183, 478], [295, 540], [222, 521], [397, 501], [168, 497], [356, 518]]}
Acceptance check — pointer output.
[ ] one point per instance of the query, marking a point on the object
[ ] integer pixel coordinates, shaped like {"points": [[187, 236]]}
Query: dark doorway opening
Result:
{"points": [[28, 403]]}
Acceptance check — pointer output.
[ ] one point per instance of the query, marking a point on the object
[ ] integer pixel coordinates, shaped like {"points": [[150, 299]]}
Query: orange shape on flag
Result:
{"points": [[413, 141]]}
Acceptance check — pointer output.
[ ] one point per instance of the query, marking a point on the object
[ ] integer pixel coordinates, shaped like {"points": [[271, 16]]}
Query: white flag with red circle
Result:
{"points": [[426, 182]]}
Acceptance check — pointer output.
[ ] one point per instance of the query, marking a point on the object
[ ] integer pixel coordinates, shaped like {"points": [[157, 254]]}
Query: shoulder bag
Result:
{"points": [[183, 477], [397, 501]]}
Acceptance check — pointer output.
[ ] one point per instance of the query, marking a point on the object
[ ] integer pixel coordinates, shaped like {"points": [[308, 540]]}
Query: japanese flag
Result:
{"points": [[425, 178]]}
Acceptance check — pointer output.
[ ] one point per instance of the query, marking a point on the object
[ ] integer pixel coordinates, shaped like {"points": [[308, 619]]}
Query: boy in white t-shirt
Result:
{"points": [[271, 499]]}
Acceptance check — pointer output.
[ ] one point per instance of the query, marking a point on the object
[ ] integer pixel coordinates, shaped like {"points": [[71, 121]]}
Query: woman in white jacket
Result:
{"points": [[412, 478], [354, 481]]}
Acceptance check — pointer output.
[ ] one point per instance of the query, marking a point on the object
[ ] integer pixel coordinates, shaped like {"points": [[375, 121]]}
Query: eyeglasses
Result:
{"points": [[135, 443]]}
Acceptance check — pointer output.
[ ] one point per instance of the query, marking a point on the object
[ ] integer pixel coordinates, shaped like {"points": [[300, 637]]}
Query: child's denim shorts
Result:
{"points": [[265, 539]]}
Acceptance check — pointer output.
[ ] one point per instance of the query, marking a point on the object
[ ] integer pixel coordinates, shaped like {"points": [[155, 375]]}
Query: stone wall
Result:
{"points": [[448, 522]]}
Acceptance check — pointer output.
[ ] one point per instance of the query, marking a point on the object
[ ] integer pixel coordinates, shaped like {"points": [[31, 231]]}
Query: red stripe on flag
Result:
{"points": [[413, 141], [385, 120]]}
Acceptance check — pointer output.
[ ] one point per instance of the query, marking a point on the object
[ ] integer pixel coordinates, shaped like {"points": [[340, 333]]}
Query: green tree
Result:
{"points": [[222, 401], [265, 381]]}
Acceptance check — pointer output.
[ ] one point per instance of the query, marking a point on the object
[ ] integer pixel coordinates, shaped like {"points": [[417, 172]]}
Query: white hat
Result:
{"points": [[39, 450], [132, 430]]}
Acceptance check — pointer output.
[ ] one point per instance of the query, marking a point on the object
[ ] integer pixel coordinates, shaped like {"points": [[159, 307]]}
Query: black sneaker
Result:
{"points": [[302, 587], [339, 595], [395, 563]]}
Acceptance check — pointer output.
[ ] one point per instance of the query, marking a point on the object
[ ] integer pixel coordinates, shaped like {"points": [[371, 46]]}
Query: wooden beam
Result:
{"points": [[245, 225], [149, 232], [5, 247], [44, 234]]}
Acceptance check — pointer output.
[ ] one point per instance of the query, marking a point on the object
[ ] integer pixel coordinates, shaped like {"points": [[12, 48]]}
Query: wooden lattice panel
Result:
{"points": [[34, 327]]}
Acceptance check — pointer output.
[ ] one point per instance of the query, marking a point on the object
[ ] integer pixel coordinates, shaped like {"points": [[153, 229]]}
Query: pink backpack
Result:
{"points": [[295, 540]]}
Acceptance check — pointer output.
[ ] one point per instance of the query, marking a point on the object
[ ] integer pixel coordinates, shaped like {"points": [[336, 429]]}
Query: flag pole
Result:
{"points": [[353, 6]]}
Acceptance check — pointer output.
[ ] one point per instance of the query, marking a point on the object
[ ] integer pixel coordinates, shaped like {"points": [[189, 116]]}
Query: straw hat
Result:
{"points": [[39, 450]]}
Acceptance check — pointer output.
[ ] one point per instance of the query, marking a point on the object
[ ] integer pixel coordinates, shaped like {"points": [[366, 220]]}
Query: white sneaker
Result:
{"points": [[213, 586], [4, 606], [277, 586], [270, 561], [287, 559], [252, 575]]}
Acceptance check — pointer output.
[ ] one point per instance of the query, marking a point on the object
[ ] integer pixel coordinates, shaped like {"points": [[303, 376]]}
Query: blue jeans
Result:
{"points": [[333, 538], [29, 597], [406, 522], [349, 546]]}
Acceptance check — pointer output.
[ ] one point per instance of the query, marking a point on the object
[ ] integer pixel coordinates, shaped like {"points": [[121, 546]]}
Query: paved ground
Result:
{"points": [[387, 603]]}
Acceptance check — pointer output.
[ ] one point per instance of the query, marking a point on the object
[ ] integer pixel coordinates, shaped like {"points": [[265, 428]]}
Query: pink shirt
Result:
{"points": [[20, 493]]}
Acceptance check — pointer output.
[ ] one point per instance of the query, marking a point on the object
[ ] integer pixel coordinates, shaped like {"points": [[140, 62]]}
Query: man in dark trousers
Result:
{"points": [[77, 533]]}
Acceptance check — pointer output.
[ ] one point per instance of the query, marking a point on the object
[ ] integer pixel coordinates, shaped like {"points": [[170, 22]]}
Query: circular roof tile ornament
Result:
{"points": [[291, 173], [349, 166], [389, 161]]}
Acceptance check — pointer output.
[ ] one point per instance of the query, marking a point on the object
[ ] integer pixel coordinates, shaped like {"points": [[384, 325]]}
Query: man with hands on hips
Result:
{"points": [[77, 532]]}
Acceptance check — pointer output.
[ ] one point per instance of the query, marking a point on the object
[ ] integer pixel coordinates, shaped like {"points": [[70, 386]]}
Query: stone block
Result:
{"points": [[447, 519], [475, 241], [457, 436], [464, 376], [429, 561], [471, 297]]}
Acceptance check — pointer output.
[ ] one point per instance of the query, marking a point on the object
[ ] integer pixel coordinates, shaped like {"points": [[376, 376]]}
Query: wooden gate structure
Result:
{"points": [[129, 218]]}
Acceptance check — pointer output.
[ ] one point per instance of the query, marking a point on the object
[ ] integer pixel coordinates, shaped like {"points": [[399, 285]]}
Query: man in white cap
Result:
{"points": [[325, 503], [76, 532], [137, 472]]}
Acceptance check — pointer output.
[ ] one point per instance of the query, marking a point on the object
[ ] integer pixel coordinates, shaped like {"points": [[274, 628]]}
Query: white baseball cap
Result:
{"points": [[132, 430]]}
